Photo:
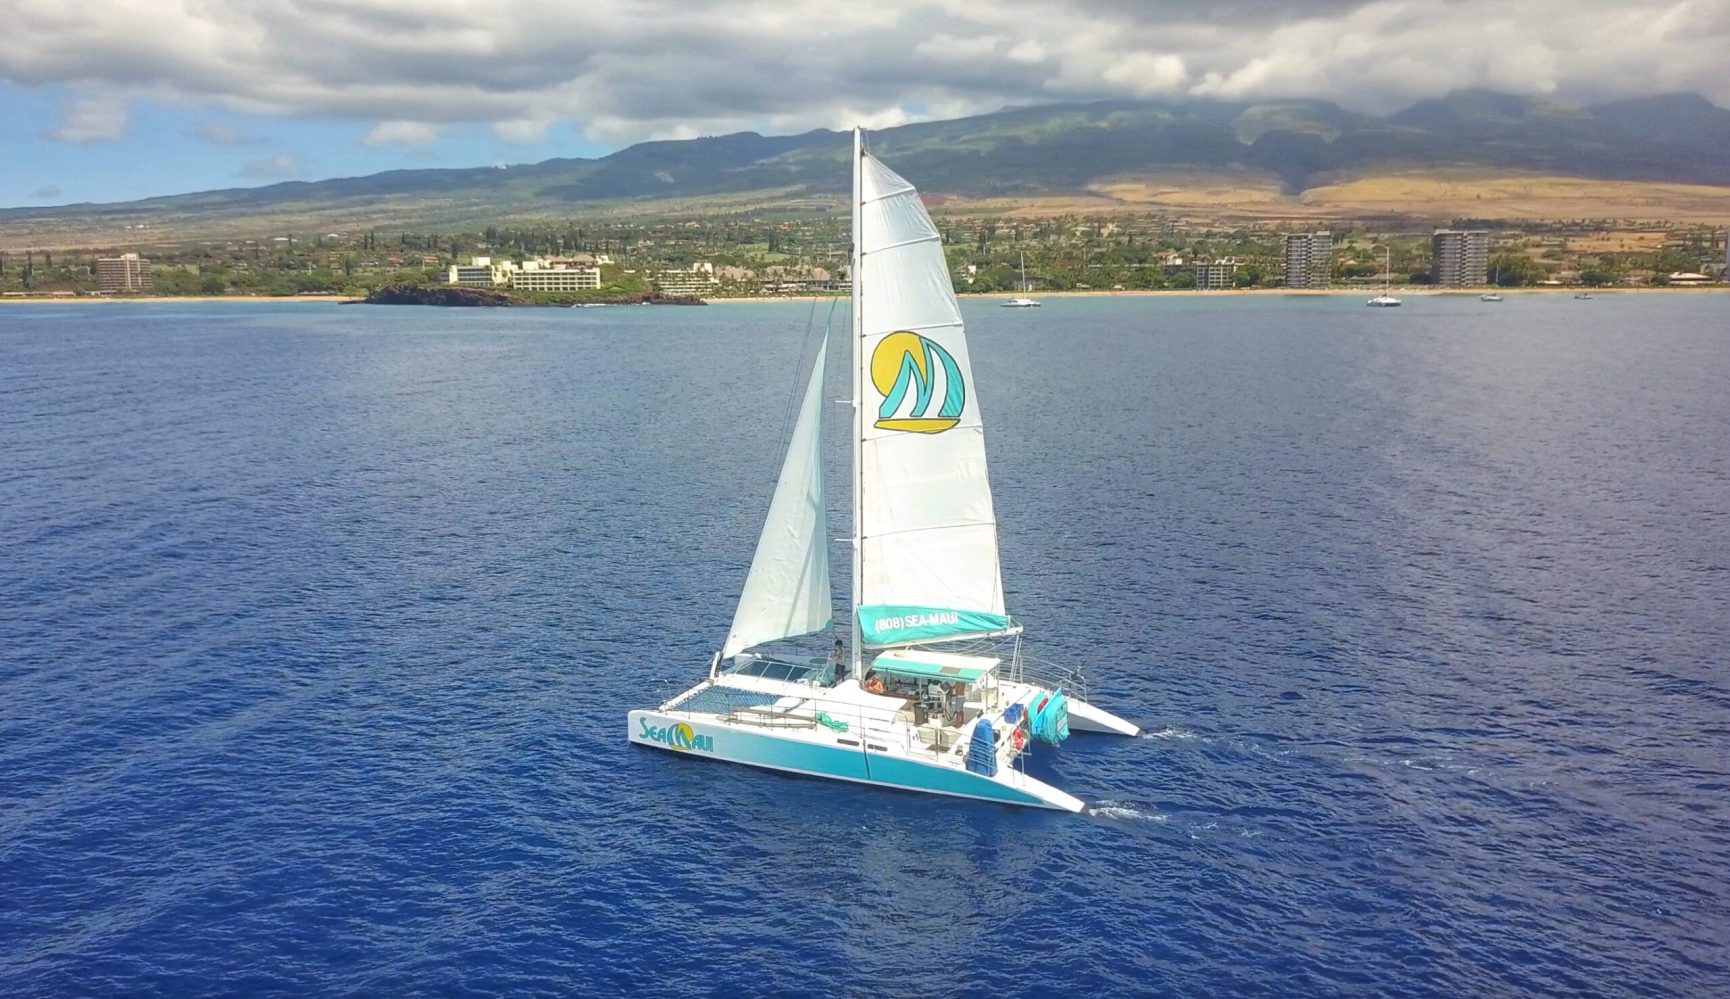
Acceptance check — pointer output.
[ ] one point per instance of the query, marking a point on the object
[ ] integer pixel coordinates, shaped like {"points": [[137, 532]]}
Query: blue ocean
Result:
{"points": [[318, 627]]}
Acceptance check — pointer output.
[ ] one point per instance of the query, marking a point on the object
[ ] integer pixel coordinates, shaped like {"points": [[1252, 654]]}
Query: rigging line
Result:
{"points": [[796, 394]]}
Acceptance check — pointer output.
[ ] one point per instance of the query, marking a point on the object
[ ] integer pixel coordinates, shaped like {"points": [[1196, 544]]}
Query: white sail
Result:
{"points": [[787, 592], [927, 535]]}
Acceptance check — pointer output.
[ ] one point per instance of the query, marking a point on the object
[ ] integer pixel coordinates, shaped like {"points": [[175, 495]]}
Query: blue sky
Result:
{"points": [[108, 100], [175, 149]]}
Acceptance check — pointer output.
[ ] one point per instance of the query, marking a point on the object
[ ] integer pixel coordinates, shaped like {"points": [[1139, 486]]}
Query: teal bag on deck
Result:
{"points": [[1051, 719]]}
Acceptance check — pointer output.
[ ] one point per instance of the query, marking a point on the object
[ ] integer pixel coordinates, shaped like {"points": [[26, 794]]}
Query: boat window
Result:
{"points": [[777, 671], [752, 668]]}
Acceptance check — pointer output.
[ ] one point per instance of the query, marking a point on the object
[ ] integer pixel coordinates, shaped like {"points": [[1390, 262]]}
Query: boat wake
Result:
{"points": [[1118, 811], [1170, 733]]}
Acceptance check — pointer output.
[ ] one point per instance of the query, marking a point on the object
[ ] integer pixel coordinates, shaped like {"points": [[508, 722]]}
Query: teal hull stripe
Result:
{"points": [[826, 761], [888, 624]]}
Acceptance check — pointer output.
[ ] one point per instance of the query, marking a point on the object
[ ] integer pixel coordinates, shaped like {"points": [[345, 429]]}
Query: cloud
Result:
{"points": [[401, 133], [90, 119], [634, 69], [522, 131], [278, 167], [223, 135], [47, 192]]}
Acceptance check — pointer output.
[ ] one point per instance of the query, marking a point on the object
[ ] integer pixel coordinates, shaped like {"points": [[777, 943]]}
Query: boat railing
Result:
{"points": [[876, 728], [1051, 676]]}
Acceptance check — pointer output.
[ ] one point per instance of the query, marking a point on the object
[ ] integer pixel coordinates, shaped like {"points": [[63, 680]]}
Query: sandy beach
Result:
{"points": [[170, 299], [1415, 291]]}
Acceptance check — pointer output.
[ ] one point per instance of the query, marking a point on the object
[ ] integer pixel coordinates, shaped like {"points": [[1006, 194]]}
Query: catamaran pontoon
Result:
{"points": [[928, 710]]}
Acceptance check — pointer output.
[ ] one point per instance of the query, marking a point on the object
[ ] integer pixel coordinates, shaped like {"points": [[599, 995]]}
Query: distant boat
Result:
{"points": [[1022, 302], [1583, 294], [1385, 300], [1493, 296]]}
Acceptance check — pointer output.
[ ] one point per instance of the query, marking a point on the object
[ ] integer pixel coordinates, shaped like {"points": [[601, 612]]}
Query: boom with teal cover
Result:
{"points": [[884, 624]]}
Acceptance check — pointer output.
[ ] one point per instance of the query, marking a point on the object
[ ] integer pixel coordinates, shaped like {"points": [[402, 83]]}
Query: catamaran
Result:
{"points": [[934, 692], [1022, 301], [1386, 299]]}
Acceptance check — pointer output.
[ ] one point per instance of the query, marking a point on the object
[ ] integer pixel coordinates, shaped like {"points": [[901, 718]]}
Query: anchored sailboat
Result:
{"points": [[935, 694], [1386, 299], [1022, 301]]}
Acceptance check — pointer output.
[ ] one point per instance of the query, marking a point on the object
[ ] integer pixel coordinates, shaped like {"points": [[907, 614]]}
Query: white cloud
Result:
{"points": [[278, 167], [401, 133], [1146, 74], [522, 131], [639, 68], [90, 119]]}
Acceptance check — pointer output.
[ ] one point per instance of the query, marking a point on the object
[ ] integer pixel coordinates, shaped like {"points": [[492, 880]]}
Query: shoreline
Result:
{"points": [[170, 299], [1415, 291]]}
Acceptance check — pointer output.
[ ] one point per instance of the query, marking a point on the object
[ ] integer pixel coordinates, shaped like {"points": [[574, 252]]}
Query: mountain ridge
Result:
{"points": [[1042, 150]]}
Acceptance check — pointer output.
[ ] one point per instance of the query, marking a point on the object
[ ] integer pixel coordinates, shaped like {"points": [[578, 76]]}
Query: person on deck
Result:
{"points": [[838, 661]]}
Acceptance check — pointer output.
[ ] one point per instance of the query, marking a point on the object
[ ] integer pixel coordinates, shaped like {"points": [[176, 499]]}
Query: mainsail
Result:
{"points": [[927, 535], [787, 592]]}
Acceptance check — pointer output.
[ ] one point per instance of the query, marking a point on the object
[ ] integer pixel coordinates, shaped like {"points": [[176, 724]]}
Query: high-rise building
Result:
{"points": [[127, 272], [1215, 276], [1309, 259], [1460, 258]]}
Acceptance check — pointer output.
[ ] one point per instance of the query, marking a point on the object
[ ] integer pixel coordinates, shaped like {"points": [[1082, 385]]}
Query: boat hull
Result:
{"points": [[794, 752], [1084, 717]]}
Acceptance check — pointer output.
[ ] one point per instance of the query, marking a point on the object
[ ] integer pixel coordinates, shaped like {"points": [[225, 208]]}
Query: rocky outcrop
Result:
{"points": [[404, 294]]}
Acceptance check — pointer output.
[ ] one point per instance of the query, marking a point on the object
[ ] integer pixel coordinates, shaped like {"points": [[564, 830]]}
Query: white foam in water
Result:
{"points": [[1169, 733], [1124, 813]]}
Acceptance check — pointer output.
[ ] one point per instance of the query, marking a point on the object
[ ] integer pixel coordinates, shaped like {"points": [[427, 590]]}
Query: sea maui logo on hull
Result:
{"points": [[678, 736], [921, 385]]}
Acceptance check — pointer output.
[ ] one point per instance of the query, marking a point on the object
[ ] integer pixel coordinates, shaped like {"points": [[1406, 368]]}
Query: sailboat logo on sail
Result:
{"points": [[921, 385]]}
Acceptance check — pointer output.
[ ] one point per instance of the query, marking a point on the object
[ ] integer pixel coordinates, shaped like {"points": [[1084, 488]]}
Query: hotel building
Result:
{"points": [[1309, 259], [1460, 258], [127, 272]]}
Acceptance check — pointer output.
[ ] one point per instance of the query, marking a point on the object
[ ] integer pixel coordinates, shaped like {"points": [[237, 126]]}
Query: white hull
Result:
{"points": [[817, 752], [775, 726], [1084, 717]]}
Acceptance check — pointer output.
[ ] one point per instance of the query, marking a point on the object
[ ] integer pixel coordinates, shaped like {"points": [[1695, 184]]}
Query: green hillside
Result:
{"points": [[1040, 151]]}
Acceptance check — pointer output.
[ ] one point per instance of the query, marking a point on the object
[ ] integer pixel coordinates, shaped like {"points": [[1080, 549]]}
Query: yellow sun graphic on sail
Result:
{"points": [[921, 385]]}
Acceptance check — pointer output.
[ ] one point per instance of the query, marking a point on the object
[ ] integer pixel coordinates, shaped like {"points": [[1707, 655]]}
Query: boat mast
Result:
{"points": [[858, 403]]}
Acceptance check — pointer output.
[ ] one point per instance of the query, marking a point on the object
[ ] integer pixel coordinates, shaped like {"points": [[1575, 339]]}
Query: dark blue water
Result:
{"points": [[318, 627]]}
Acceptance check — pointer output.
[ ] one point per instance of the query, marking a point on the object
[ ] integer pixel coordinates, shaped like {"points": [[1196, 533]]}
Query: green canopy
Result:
{"points": [[920, 665]]}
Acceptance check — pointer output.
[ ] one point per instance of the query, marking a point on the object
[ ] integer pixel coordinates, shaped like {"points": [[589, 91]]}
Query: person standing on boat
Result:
{"points": [[838, 661]]}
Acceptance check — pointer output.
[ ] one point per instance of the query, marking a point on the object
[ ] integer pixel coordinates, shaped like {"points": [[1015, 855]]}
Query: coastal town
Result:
{"points": [[786, 255]]}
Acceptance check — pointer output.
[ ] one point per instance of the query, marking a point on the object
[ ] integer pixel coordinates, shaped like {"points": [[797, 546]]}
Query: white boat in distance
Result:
{"points": [[1022, 302], [933, 693], [1385, 300]]}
